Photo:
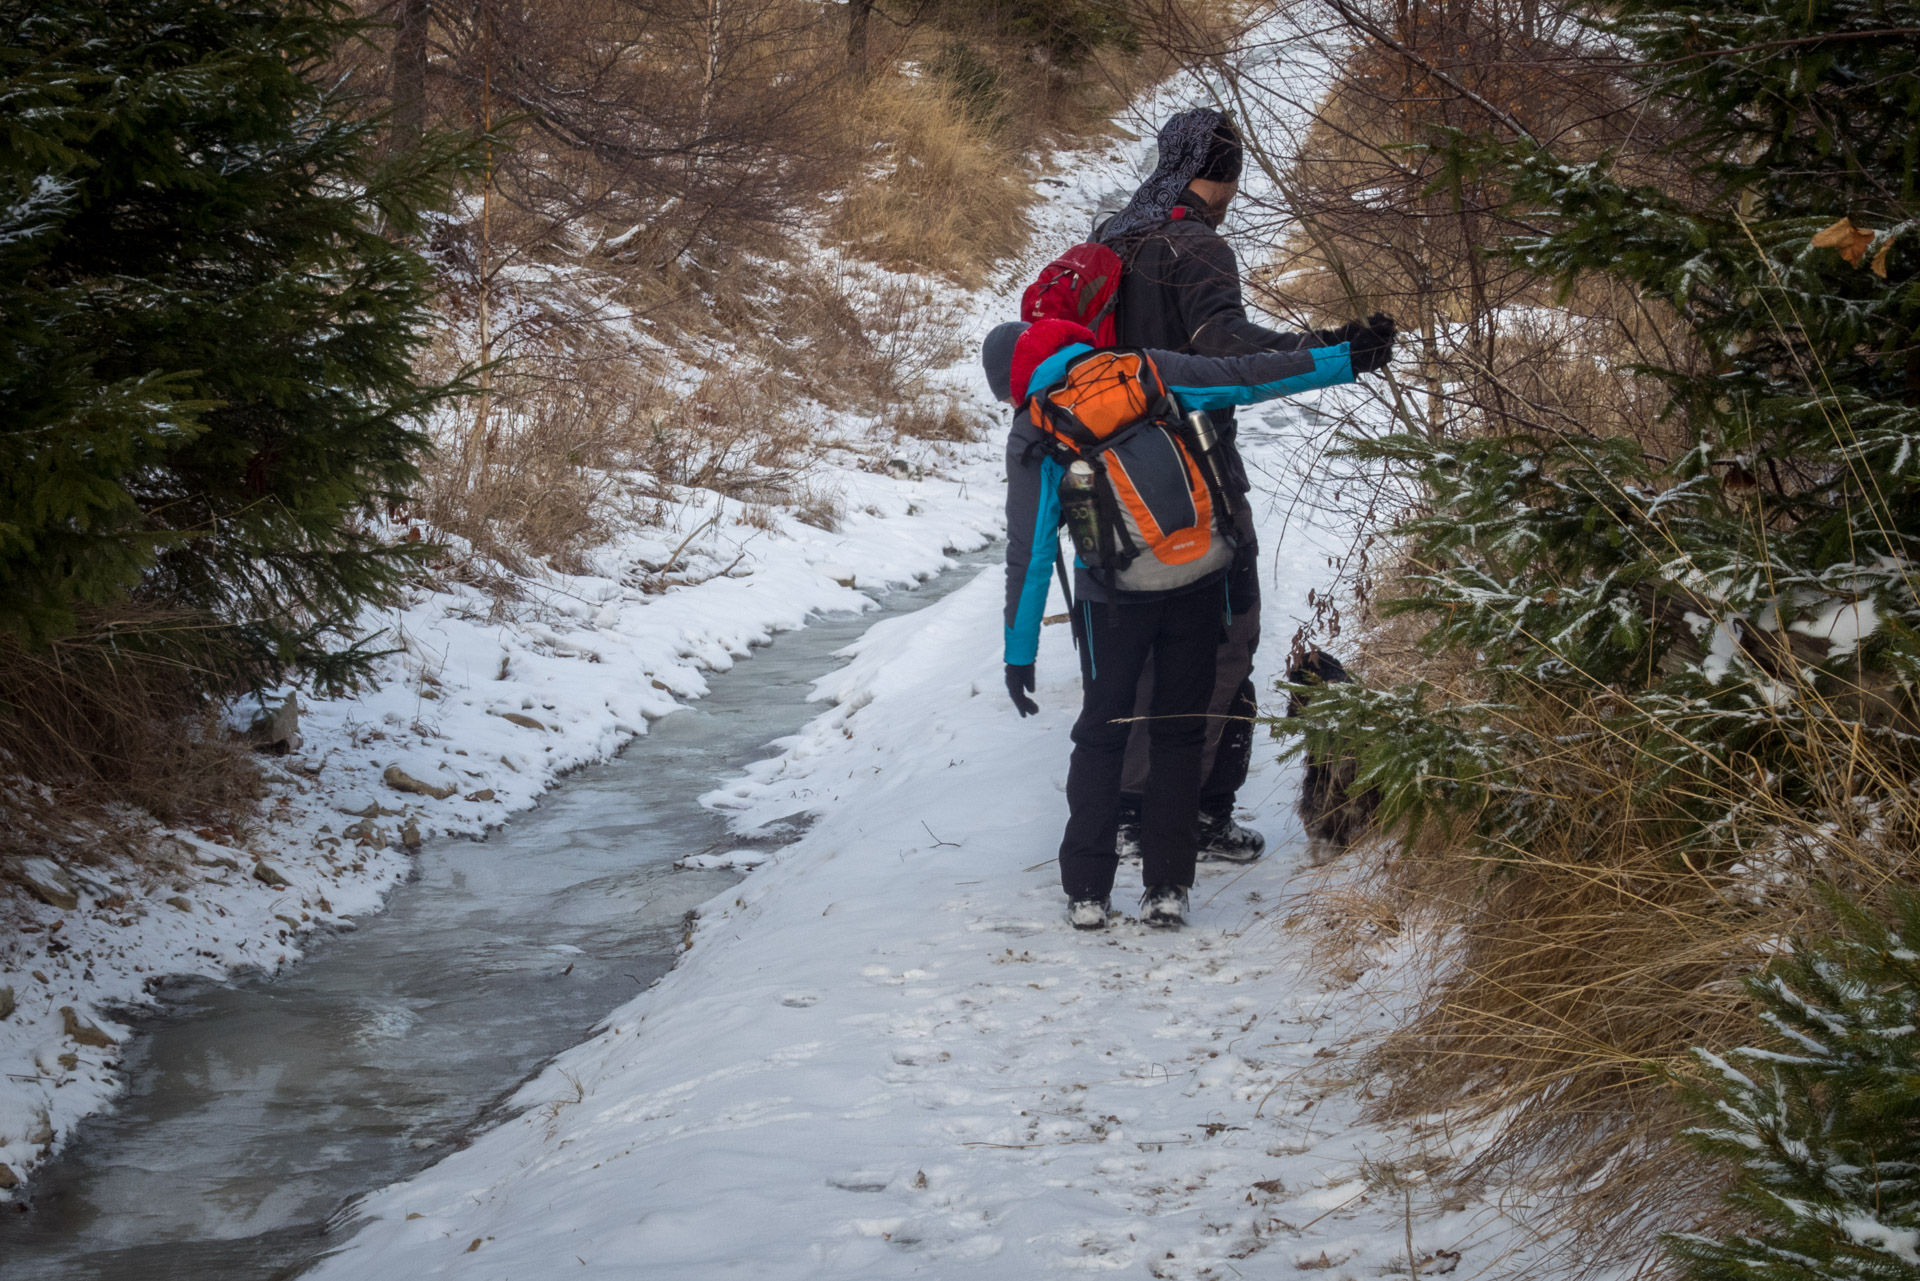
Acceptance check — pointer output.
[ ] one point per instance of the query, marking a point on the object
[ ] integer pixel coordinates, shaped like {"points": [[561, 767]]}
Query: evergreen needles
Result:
{"points": [[1824, 1122], [208, 321], [1718, 611]]}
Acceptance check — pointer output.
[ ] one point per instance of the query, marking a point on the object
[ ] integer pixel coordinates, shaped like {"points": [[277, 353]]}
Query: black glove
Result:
{"points": [[1370, 343], [1019, 685]]}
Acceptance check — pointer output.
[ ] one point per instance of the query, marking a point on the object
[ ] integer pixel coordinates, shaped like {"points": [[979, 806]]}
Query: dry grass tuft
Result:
{"points": [[936, 420], [1571, 973], [112, 718], [938, 196]]}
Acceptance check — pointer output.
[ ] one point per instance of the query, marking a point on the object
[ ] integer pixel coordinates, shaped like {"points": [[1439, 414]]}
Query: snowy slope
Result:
{"points": [[581, 663]]}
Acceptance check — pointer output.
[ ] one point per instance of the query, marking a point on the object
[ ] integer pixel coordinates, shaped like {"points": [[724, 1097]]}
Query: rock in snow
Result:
{"points": [[46, 878], [401, 781]]}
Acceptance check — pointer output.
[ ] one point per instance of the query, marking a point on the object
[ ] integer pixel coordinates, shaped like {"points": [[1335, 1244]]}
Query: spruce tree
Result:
{"points": [[1580, 572], [1823, 1123], [210, 316]]}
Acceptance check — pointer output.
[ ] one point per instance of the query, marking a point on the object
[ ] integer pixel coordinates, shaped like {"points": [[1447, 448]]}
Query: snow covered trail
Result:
{"points": [[886, 1054]]}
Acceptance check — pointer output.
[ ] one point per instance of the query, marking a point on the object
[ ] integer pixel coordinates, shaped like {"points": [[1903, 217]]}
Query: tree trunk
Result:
{"points": [[409, 76], [858, 11]]}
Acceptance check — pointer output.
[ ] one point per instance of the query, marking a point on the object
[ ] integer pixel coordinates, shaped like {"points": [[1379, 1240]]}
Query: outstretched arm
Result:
{"points": [[1207, 286], [1215, 382]]}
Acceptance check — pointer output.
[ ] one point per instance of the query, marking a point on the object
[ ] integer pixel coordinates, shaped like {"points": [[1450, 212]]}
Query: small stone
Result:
{"points": [[180, 902], [45, 878], [484, 794], [8, 1179], [401, 781], [657, 683], [41, 1135], [410, 834], [80, 1030], [69, 1061], [6, 1002], [267, 874], [522, 720]]}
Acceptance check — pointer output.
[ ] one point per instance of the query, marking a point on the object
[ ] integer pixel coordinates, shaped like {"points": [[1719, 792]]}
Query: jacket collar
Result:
{"points": [[1196, 208]]}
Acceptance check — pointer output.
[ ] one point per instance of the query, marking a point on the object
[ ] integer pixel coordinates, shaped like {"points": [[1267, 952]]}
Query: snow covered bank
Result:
{"points": [[483, 708]]}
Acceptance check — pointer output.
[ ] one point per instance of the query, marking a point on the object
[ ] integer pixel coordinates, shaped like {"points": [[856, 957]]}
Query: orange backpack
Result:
{"points": [[1159, 520]]}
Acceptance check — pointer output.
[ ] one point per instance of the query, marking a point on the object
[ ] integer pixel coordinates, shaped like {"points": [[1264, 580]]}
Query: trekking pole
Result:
{"points": [[1066, 589]]}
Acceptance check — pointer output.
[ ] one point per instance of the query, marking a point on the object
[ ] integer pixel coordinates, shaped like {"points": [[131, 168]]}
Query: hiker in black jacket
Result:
{"points": [[1181, 292]]}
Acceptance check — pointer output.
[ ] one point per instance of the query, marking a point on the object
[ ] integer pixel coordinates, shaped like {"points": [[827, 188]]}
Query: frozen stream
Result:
{"points": [[256, 1111]]}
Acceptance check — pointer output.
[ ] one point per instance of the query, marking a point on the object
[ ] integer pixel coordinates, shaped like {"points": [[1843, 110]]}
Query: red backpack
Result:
{"points": [[1081, 285]]}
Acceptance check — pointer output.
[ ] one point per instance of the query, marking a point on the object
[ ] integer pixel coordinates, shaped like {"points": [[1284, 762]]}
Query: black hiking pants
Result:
{"points": [[1180, 637], [1228, 754]]}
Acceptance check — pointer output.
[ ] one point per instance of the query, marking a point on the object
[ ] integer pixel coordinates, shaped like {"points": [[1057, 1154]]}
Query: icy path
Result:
{"points": [[887, 1055]]}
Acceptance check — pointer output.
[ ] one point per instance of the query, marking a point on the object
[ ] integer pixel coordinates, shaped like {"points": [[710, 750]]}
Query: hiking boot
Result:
{"points": [[1164, 906], [1088, 913], [1224, 841]]}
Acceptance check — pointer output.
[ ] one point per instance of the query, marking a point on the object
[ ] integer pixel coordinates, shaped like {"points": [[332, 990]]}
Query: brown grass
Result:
{"points": [[940, 197], [114, 718], [1569, 972]]}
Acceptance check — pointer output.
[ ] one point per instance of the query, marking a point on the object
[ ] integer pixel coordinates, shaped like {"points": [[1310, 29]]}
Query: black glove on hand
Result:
{"points": [[1370, 344], [1019, 685]]}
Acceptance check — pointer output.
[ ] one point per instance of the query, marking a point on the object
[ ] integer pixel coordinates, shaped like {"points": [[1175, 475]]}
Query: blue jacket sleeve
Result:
{"points": [[1215, 382], [1033, 522]]}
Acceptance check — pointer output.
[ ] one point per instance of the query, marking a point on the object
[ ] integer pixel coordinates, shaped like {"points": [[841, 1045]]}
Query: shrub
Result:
{"points": [[211, 317]]}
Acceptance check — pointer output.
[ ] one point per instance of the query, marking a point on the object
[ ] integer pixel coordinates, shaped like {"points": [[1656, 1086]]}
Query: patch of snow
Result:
{"points": [[1842, 624]]}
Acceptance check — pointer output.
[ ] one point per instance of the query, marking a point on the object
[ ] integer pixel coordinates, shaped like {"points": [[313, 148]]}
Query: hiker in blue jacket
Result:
{"points": [[1177, 631]]}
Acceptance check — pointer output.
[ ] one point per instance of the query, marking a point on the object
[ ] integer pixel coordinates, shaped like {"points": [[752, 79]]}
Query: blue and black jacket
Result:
{"points": [[1033, 478]]}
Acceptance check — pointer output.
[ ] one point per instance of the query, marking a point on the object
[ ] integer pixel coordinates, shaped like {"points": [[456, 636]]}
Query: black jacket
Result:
{"points": [[1181, 292]]}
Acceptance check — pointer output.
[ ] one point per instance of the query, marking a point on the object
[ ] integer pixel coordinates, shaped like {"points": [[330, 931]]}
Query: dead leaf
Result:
{"points": [[1880, 260], [1850, 240]]}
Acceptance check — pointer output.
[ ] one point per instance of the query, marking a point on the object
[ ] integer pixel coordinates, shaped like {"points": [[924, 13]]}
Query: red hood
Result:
{"points": [[1042, 339]]}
